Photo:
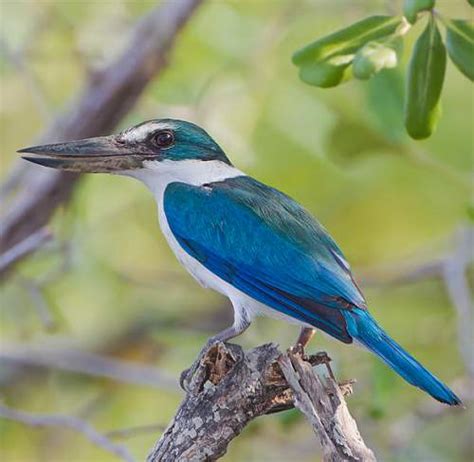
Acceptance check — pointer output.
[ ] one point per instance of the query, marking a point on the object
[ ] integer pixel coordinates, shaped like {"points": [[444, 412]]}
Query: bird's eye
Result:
{"points": [[163, 139]]}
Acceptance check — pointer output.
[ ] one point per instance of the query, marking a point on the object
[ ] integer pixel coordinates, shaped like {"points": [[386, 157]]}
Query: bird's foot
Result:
{"points": [[185, 379], [213, 363], [298, 349], [315, 359]]}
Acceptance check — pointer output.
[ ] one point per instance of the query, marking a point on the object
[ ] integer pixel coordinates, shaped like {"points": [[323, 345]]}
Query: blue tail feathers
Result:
{"points": [[363, 328]]}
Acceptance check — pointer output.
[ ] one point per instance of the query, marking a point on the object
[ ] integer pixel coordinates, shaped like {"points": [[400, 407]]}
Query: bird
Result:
{"points": [[241, 238]]}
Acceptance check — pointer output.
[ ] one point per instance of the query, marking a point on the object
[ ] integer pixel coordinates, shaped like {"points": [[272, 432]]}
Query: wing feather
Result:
{"points": [[267, 246]]}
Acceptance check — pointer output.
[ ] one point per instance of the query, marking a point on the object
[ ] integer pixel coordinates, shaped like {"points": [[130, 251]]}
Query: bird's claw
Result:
{"points": [[203, 368], [183, 378], [190, 378], [186, 377], [298, 349]]}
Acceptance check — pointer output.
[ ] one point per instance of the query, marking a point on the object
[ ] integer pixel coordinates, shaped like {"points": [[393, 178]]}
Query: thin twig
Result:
{"points": [[70, 422], [11, 182], [28, 245], [82, 362], [420, 157], [40, 303]]}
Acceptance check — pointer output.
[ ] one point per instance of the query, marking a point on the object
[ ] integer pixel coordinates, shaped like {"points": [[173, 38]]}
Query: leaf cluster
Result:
{"points": [[373, 44]]}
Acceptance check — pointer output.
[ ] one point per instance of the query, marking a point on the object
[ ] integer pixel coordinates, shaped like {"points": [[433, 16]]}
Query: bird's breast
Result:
{"points": [[199, 272]]}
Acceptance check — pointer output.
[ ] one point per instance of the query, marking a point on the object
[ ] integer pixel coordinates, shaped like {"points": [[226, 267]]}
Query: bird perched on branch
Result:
{"points": [[246, 240]]}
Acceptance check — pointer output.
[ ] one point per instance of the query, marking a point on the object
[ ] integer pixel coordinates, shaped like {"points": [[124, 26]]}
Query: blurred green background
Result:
{"points": [[108, 283]]}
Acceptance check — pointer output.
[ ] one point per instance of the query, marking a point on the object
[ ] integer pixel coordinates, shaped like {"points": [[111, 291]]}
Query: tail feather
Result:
{"points": [[363, 328]]}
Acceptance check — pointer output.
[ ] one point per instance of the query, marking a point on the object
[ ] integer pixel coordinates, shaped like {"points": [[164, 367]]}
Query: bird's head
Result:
{"points": [[140, 147]]}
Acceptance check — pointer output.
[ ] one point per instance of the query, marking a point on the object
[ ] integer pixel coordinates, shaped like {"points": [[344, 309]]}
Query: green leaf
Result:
{"points": [[347, 41], [385, 93], [471, 2], [460, 45], [324, 74], [372, 58], [425, 82], [411, 8]]}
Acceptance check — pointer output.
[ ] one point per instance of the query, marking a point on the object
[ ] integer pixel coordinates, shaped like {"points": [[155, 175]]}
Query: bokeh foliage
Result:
{"points": [[342, 153], [373, 44]]}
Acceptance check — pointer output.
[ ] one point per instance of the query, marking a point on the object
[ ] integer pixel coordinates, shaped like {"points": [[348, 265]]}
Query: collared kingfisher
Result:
{"points": [[242, 238]]}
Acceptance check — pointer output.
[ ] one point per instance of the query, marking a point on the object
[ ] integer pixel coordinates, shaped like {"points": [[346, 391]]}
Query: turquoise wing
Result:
{"points": [[266, 245]]}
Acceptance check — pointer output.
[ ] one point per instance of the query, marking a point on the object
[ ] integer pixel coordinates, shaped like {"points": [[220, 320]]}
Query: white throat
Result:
{"points": [[157, 175]]}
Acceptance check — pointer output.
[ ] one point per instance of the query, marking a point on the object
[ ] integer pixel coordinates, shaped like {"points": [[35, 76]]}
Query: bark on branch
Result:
{"points": [[106, 97], [230, 387]]}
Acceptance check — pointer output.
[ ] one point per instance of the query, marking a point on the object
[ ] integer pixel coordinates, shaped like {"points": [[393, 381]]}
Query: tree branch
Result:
{"points": [[96, 110], [230, 388], [23, 248], [69, 422], [325, 408], [82, 362]]}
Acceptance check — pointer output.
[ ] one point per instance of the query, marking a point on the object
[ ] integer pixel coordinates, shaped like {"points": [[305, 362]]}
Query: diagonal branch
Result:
{"points": [[69, 422], [325, 408], [230, 388], [23, 248], [106, 97]]}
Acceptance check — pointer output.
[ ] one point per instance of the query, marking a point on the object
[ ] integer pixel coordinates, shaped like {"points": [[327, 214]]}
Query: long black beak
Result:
{"points": [[91, 155]]}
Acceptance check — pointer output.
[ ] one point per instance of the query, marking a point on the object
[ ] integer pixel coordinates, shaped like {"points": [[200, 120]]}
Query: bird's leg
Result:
{"points": [[227, 334], [241, 323], [306, 334]]}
